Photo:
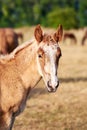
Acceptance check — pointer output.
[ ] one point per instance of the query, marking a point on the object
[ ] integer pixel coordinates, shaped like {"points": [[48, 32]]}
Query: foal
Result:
{"points": [[21, 70]]}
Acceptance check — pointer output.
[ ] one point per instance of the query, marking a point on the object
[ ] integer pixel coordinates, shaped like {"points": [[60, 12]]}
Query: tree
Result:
{"points": [[83, 13], [64, 16], [71, 13]]}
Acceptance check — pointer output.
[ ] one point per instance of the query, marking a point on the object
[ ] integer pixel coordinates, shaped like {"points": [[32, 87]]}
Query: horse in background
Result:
{"points": [[9, 40], [71, 36], [84, 38], [22, 69]]}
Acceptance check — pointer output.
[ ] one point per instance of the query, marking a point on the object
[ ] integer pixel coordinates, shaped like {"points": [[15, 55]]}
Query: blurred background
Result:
{"points": [[17, 13]]}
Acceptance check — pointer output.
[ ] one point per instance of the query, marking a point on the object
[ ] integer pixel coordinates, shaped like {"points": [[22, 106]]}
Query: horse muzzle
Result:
{"points": [[52, 88]]}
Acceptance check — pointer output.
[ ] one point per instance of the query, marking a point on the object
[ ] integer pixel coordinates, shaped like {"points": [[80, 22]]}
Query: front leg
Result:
{"points": [[6, 121], [12, 122]]}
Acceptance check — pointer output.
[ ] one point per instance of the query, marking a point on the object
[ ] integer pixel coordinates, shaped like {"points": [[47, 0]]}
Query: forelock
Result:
{"points": [[48, 39]]}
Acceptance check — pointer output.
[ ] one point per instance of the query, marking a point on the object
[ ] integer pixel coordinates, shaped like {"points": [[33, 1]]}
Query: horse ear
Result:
{"points": [[38, 33], [58, 35]]}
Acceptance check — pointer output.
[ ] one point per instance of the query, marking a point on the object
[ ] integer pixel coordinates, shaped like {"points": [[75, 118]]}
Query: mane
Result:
{"points": [[15, 51], [22, 46]]}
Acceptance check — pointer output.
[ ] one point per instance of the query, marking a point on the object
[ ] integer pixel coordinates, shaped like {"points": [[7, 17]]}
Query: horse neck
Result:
{"points": [[26, 63]]}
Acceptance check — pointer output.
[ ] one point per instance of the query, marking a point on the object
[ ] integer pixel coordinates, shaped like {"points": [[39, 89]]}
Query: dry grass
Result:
{"points": [[67, 108]]}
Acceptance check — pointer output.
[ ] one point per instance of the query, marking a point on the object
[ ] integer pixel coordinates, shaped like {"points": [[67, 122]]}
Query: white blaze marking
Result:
{"points": [[53, 67], [51, 53], [49, 67]]}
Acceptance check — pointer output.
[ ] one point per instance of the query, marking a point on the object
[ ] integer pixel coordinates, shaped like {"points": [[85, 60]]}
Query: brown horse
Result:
{"points": [[70, 36], [8, 40], [21, 70], [84, 38]]}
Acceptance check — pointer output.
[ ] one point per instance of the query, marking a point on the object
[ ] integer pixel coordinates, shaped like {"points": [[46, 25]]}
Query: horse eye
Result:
{"points": [[40, 56]]}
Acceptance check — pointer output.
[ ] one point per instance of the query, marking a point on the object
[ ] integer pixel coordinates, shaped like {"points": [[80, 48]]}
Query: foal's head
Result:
{"points": [[48, 56]]}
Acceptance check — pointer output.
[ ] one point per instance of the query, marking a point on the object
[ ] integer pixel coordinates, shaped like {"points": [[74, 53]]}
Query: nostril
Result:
{"points": [[48, 83], [57, 84]]}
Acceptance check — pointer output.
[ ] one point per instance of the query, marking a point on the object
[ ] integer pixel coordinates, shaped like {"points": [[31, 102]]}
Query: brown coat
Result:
{"points": [[8, 40]]}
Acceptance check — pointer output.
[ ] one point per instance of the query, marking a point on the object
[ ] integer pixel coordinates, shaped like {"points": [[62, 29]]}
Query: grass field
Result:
{"points": [[66, 109]]}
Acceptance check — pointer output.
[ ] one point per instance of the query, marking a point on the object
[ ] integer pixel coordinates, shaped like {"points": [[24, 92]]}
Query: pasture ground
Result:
{"points": [[66, 109]]}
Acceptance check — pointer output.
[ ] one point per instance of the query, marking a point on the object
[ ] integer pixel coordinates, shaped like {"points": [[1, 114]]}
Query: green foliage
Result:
{"points": [[83, 13], [70, 13], [64, 16]]}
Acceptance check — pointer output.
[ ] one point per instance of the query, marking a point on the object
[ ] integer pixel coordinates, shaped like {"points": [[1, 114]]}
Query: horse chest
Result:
{"points": [[21, 106]]}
